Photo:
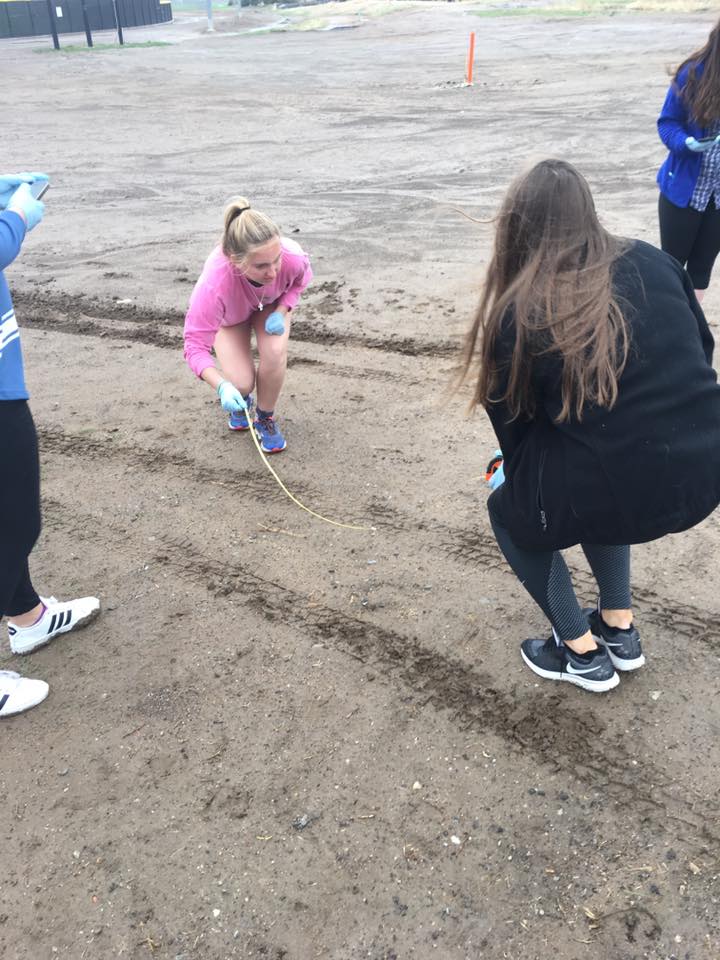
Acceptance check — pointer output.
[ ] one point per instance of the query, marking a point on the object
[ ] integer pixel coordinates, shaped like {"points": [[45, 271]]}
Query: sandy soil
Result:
{"points": [[284, 739]]}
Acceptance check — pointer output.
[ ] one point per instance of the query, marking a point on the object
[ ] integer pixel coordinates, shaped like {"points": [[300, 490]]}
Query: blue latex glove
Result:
{"points": [[692, 144], [498, 478], [9, 183], [23, 202], [275, 324], [231, 400]]}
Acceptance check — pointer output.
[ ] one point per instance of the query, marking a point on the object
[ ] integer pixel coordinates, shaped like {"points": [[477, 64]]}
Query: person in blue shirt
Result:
{"points": [[689, 178], [32, 620]]}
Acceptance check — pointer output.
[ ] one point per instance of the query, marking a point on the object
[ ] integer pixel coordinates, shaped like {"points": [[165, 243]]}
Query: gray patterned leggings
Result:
{"points": [[545, 576]]}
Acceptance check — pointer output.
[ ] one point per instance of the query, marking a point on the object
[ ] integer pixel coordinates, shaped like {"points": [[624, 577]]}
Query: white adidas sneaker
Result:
{"points": [[59, 617], [19, 693]]}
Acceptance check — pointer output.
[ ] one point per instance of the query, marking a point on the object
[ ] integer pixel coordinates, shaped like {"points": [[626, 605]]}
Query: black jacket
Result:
{"points": [[648, 467]]}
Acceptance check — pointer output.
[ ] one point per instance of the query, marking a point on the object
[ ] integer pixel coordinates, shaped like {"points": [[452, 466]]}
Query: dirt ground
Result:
{"points": [[285, 739]]}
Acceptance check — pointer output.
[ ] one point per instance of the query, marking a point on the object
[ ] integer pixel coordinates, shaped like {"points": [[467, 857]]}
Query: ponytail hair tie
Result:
{"points": [[235, 214]]}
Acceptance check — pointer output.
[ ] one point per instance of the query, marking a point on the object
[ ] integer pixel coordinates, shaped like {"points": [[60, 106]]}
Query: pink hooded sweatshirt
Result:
{"points": [[224, 297]]}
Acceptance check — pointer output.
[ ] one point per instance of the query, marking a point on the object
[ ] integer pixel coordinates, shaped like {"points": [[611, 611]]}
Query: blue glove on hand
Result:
{"points": [[275, 324], [23, 202], [9, 183], [498, 478], [231, 400], [692, 144]]}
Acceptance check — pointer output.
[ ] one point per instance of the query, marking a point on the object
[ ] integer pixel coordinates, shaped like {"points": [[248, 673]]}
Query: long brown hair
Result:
{"points": [[550, 274], [701, 94]]}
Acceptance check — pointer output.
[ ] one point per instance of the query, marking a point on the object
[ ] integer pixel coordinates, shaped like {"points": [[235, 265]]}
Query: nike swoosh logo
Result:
{"points": [[571, 669]]}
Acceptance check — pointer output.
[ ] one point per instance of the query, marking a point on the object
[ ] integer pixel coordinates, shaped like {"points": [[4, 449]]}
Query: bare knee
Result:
{"points": [[273, 356]]}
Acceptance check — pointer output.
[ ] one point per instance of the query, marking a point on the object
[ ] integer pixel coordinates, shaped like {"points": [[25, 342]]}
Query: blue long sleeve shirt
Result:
{"points": [[12, 377], [679, 174]]}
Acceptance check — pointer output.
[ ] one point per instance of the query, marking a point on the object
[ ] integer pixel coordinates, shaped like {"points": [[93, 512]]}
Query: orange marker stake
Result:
{"points": [[470, 60]]}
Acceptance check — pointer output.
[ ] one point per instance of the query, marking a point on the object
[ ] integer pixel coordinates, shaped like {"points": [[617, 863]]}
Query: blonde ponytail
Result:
{"points": [[245, 229]]}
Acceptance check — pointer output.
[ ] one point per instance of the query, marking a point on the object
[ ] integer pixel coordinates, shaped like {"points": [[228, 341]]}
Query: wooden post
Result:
{"points": [[86, 23], [53, 25], [118, 25]]}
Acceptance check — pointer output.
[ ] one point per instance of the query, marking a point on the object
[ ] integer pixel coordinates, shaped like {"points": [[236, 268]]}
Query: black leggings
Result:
{"points": [[19, 507], [692, 237], [546, 578]]}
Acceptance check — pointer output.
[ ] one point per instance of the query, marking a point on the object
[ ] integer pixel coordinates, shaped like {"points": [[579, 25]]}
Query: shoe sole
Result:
{"points": [[618, 662], [44, 641], [593, 686], [238, 429]]}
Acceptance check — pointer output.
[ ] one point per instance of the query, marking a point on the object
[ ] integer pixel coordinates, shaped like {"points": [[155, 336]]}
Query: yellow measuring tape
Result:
{"points": [[335, 523]]}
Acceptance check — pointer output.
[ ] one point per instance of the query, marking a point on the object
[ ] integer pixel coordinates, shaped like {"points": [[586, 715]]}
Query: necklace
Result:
{"points": [[253, 288]]}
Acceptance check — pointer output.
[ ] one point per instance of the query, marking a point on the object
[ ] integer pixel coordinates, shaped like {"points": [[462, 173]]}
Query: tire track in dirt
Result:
{"points": [[544, 726], [86, 327], [145, 334], [69, 313], [59, 443], [479, 549], [473, 547], [156, 336]]}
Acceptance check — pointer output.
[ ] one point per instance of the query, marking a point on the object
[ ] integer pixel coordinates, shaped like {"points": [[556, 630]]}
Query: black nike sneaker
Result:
{"points": [[622, 645], [591, 671]]}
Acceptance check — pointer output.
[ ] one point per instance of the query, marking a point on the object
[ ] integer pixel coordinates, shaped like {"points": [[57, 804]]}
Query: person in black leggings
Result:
{"points": [[32, 620], [19, 507], [594, 363], [689, 178], [692, 237], [546, 577]]}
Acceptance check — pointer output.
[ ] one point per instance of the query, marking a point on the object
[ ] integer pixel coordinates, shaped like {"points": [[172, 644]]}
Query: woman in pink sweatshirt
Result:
{"points": [[252, 281]]}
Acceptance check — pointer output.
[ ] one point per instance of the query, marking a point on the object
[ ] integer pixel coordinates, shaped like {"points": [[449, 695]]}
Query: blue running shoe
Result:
{"points": [[269, 435], [239, 421]]}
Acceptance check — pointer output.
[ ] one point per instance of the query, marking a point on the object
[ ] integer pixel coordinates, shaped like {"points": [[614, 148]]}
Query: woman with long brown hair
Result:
{"points": [[593, 360], [689, 179]]}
